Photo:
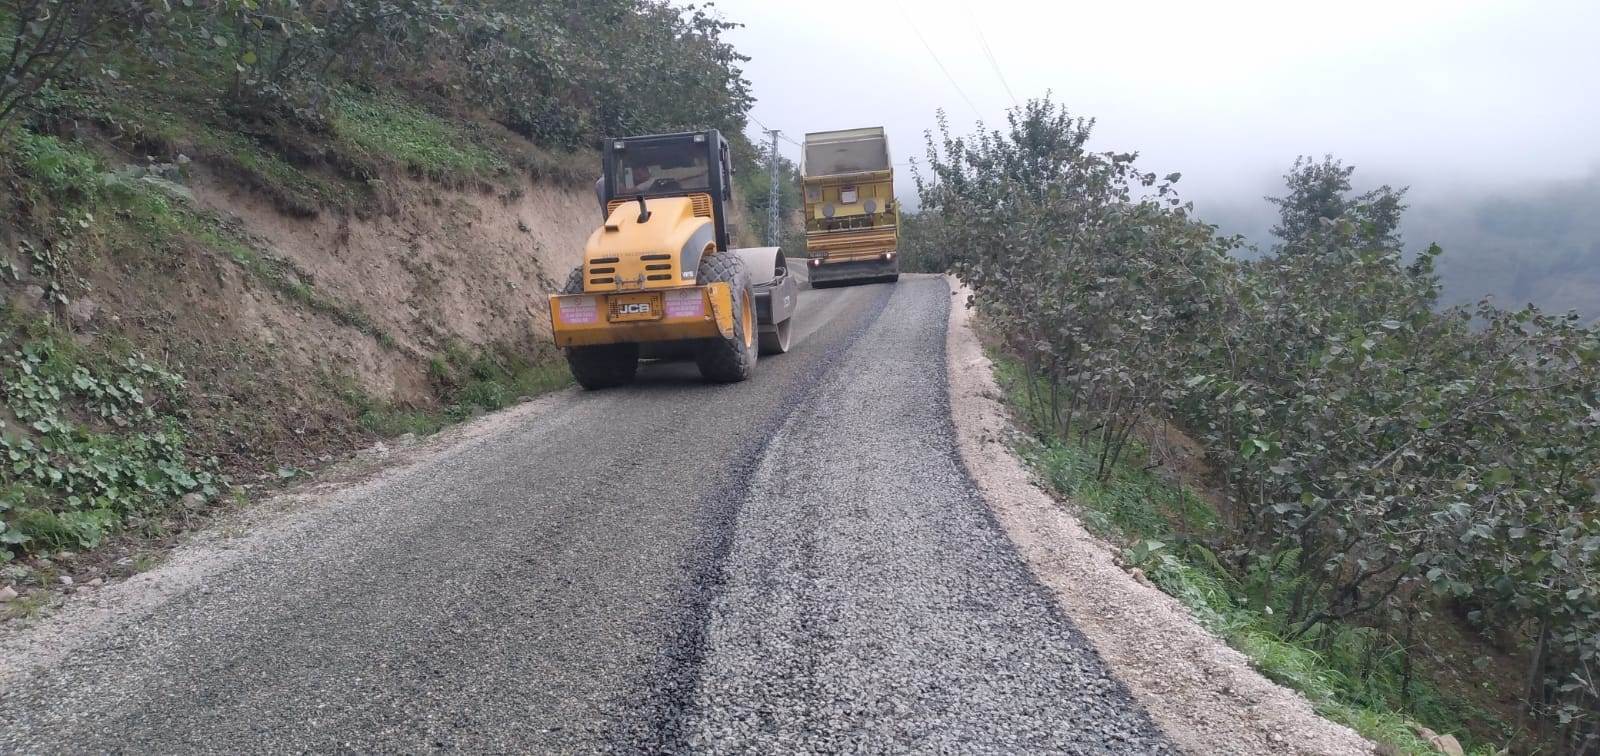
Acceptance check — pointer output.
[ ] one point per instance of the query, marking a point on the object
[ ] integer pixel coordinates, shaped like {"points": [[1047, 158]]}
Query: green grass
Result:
{"points": [[294, 190], [1351, 674], [172, 125], [368, 133], [388, 130], [1132, 503], [62, 173], [468, 384], [134, 216]]}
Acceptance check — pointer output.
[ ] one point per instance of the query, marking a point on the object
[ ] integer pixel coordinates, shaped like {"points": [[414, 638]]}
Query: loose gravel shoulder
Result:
{"points": [[1201, 692]]}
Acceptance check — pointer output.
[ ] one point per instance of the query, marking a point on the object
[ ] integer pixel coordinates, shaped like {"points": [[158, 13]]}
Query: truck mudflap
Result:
{"points": [[825, 271], [642, 316]]}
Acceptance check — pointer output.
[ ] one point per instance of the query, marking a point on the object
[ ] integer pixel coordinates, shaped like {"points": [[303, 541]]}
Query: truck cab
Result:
{"points": [[695, 165]]}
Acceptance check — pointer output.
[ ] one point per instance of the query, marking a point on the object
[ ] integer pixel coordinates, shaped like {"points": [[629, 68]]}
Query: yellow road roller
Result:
{"points": [[660, 277]]}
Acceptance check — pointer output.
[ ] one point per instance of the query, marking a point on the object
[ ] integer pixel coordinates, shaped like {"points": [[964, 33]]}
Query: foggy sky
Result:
{"points": [[1444, 96]]}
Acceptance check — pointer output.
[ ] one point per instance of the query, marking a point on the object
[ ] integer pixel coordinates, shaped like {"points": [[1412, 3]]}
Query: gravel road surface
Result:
{"points": [[794, 563]]}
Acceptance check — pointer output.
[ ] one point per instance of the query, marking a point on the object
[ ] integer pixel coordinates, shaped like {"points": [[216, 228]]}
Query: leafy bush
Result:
{"points": [[564, 74], [64, 174], [1384, 458], [921, 246], [42, 39], [561, 73], [96, 442], [1358, 679]]}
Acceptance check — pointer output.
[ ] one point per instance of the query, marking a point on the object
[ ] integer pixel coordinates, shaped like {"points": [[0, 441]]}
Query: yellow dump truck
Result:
{"points": [[660, 276], [852, 219]]}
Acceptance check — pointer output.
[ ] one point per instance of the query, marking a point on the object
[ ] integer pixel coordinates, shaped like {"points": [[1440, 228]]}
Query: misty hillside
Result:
{"points": [[1530, 244], [1539, 246]]}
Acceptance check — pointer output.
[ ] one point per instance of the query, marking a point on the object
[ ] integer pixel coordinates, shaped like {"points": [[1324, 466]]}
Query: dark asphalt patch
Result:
{"points": [[678, 667]]}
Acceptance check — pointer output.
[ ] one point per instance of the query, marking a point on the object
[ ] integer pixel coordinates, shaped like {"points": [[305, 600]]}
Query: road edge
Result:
{"points": [[31, 645], [1201, 692]]}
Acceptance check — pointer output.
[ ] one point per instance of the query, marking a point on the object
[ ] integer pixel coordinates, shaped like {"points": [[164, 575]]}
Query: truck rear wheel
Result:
{"points": [[725, 360], [603, 365]]}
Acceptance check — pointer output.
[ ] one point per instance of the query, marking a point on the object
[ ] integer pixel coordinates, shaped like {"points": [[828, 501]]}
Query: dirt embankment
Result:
{"points": [[439, 266], [289, 328]]}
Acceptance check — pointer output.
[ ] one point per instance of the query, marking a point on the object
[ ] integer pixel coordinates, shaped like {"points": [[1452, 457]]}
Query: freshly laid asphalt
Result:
{"points": [[797, 563]]}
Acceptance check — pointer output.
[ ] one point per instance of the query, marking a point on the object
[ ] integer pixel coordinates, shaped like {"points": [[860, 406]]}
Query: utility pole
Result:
{"points": [[774, 235]]}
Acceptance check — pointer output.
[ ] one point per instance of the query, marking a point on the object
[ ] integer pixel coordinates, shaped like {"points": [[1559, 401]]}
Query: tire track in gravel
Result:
{"points": [[676, 675]]}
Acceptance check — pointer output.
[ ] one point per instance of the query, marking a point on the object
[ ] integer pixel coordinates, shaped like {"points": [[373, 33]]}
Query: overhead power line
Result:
{"points": [[936, 60], [765, 128], [989, 53]]}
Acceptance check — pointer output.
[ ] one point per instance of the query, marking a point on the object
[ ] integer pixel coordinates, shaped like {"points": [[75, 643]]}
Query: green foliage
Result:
{"points": [[468, 383], [1094, 272], [263, 85], [311, 104], [753, 182], [1319, 193], [90, 440], [652, 66], [922, 247], [96, 441], [59, 191], [560, 73], [383, 130], [62, 174], [473, 382], [1354, 676], [41, 39], [1382, 458]]}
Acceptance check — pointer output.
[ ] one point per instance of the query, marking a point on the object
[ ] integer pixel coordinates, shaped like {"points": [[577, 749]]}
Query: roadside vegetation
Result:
{"points": [[753, 183], [468, 384], [921, 246], [123, 403], [1405, 519], [1167, 525]]}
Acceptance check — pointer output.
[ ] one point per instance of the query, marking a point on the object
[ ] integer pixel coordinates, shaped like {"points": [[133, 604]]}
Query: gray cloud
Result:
{"points": [[1443, 96]]}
